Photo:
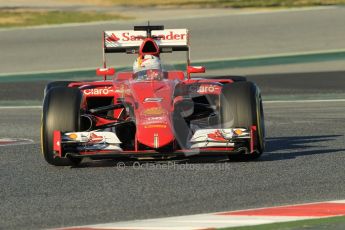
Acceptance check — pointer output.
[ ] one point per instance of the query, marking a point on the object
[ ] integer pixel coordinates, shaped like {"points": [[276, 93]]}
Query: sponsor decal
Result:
{"points": [[99, 91], [153, 99], [94, 138], [155, 126], [205, 89], [122, 90], [217, 136], [154, 111], [153, 120], [155, 140], [73, 136], [171, 36], [112, 38], [127, 36]]}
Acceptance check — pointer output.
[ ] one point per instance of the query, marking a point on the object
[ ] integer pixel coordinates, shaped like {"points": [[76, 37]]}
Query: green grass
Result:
{"points": [[22, 17], [315, 224], [17, 18], [226, 3]]}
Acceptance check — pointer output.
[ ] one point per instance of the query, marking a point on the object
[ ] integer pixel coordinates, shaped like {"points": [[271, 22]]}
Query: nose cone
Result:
{"points": [[153, 114]]}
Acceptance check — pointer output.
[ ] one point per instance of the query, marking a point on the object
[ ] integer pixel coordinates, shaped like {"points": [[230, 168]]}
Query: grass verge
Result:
{"points": [[221, 3], [17, 18], [24, 17], [323, 223]]}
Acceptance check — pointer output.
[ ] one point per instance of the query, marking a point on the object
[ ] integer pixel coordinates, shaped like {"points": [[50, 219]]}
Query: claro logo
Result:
{"points": [[204, 89], [99, 91]]}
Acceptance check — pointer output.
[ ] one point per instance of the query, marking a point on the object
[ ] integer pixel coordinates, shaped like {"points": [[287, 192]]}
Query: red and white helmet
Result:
{"points": [[147, 67], [146, 62]]}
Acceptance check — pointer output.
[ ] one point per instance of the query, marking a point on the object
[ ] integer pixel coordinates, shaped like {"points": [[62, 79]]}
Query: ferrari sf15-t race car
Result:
{"points": [[133, 116]]}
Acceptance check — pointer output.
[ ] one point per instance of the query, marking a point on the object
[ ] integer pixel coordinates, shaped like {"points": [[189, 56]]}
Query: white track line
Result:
{"points": [[22, 107], [15, 141], [304, 101], [218, 220], [192, 222]]}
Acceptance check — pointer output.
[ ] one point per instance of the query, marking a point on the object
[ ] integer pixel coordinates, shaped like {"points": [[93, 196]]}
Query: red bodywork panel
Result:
{"points": [[57, 143], [153, 112], [153, 102]]}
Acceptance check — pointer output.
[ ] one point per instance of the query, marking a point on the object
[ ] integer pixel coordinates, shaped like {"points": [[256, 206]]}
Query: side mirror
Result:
{"points": [[105, 71], [195, 69]]}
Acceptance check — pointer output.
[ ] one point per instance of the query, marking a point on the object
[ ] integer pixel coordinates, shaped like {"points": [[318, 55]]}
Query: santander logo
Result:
{"points": [[112, 38], [126, 36]]}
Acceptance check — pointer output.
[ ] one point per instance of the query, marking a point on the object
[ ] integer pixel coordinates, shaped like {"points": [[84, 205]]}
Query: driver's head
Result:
{"points": [[148, 67]]}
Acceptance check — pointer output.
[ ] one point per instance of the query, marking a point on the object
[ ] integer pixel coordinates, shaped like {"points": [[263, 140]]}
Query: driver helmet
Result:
{"points": [[147, 67]]}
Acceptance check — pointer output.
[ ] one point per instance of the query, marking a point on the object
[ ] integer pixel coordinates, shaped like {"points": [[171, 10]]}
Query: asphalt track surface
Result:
{"points": [[303, 163]]}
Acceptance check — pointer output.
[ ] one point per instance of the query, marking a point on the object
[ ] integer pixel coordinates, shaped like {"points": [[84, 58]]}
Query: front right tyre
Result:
{"points": [[241, 107]]}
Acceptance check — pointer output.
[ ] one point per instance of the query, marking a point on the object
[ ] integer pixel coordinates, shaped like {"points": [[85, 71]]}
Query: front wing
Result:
{"points": [[107, 144]]}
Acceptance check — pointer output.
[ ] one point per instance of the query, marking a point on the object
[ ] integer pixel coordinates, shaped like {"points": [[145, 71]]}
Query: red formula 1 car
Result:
{"points": [[130, 116]]}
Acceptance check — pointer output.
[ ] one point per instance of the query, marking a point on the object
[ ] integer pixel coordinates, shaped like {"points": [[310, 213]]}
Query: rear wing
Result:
{"points": [[129, 41], [147, 39]]}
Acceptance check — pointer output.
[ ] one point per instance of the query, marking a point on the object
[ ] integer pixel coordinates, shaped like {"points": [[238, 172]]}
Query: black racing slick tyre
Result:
{"points": [[54, 84], [241, 106], [61, 111]]}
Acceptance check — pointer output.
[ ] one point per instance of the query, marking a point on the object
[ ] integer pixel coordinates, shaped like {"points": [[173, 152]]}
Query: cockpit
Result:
{"points": [[149, 75]]}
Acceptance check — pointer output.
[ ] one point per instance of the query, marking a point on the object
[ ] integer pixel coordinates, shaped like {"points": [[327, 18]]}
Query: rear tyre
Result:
{"points": [[241, 106], [61, 111]]}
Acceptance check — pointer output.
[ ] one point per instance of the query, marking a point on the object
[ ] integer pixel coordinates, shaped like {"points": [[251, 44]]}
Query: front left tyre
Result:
{"points": [[61, 111], [54, 84]]}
